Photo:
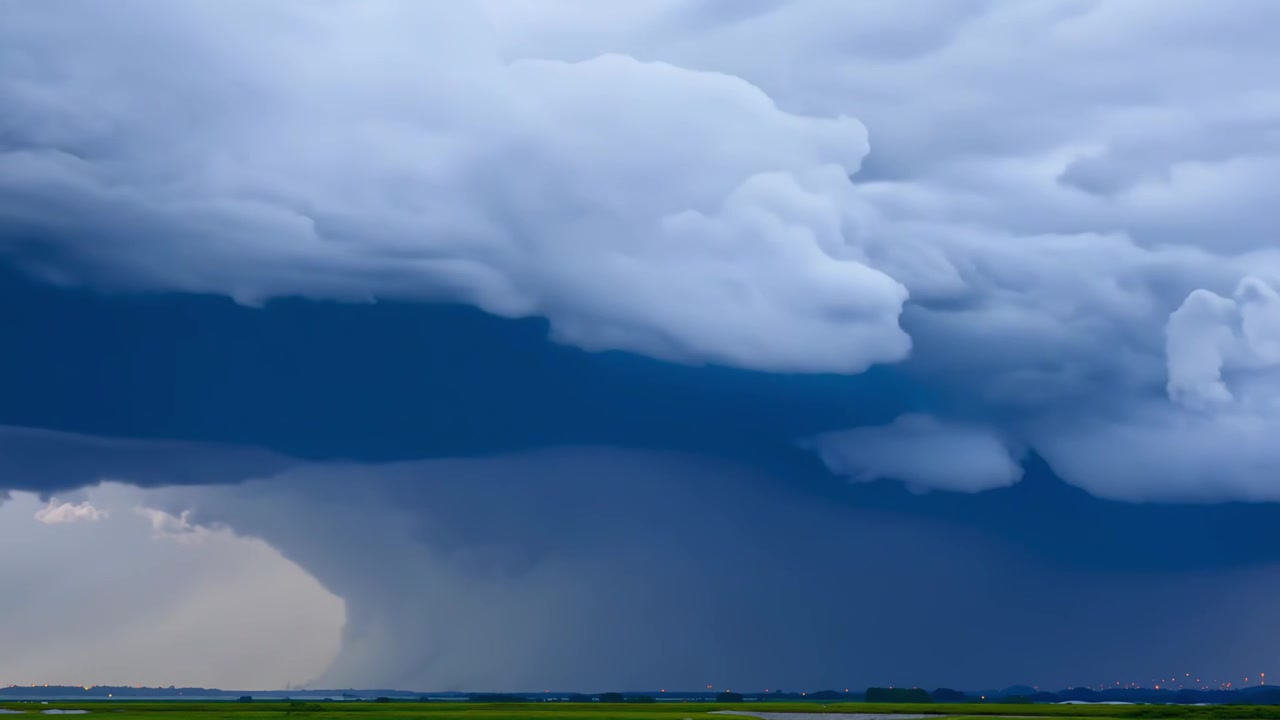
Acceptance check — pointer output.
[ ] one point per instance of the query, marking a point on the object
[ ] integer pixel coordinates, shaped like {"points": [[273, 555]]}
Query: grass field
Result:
{"points": [[131, 710]]}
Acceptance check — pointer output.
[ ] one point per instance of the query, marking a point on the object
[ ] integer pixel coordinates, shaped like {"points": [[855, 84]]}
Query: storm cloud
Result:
{"points": [[529, 570], [1053, 180], [455, 303]]}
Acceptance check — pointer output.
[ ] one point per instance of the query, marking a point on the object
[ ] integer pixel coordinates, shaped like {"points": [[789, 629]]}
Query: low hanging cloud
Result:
{"points": [[60, 513], [923, 452]]}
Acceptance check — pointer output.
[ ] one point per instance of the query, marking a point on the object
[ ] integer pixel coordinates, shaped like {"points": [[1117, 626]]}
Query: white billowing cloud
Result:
{"points": [[1260, 320], [1161, 452], [113, 602], [1214, 437], [923, 452], [58, 513], [1197, 338], [637, 205], [173, 527], [1210, 333], [1047, 181]]}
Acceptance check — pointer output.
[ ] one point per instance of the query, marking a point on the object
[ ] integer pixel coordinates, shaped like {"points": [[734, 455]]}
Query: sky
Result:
{"points": [[527, 344]]}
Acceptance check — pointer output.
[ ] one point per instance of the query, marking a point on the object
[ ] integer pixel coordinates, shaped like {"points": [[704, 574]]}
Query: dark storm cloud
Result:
{"points": [[511, 570], [395, 382], [46, 461], [531, 570], [385, 381], [1052, 181]]}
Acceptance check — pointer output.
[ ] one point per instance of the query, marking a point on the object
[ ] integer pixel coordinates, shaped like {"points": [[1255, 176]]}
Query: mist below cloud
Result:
{"points": [[605, 569]]}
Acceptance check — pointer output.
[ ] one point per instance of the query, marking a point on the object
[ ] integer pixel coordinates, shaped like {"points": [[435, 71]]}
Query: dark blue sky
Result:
{"points": [[393, 381]]}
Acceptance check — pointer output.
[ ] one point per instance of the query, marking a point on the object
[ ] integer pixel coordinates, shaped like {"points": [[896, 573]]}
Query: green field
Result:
{"points": [[129, 710]]}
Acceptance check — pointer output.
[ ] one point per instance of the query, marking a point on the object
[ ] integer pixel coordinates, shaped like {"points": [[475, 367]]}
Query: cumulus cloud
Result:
{"points": [[1213, 438], [1209, 334], [167, 526], [1036, 187], [58, 513], [922, 451], [1159, 452], [636, 205], [1049, 181]]}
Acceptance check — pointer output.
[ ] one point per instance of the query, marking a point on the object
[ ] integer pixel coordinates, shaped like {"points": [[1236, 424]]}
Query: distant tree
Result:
{"points": [[1019, 690], [642, 699], [245, 698], [898, 695], [612, 697], [382, 699], [729, 697], [1082, 694], [947, 695], [1264, 697], [578, 698], [1043, 697], [826, 695]]}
